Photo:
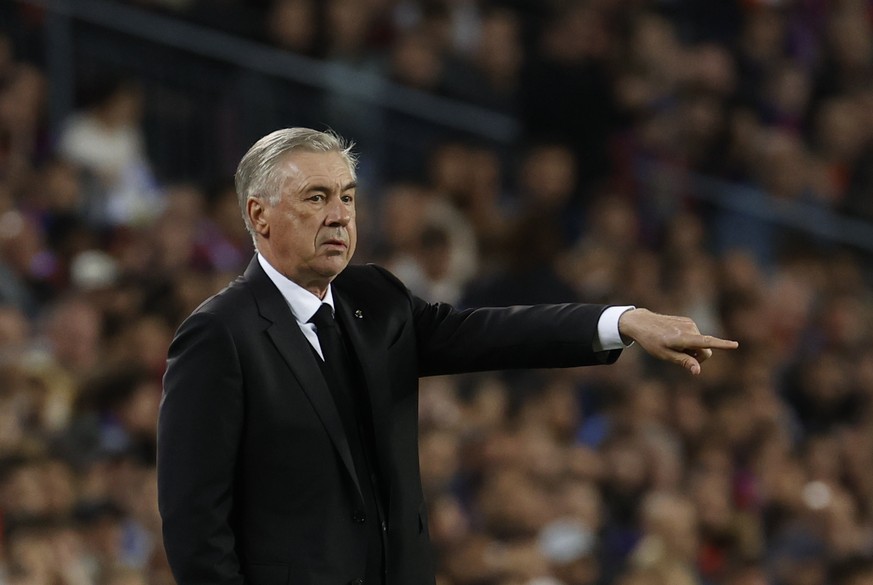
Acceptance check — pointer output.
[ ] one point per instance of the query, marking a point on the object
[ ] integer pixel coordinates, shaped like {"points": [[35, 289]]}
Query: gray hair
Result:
{"points": [[259, 176]]}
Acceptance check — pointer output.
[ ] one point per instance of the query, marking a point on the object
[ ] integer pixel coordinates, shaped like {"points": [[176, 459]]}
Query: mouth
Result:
{"points": [[335, 243]]}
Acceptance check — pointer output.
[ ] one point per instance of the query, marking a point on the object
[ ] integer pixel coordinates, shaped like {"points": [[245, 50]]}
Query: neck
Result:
{"points": [[317, 290], [315, 284]]}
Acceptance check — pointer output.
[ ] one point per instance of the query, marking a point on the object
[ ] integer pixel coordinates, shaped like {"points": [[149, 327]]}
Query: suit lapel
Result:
{"points": [[297, 353], [355, 325]]}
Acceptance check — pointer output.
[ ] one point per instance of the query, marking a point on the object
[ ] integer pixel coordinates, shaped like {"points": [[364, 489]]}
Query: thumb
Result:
{"points": [[688, 362]]}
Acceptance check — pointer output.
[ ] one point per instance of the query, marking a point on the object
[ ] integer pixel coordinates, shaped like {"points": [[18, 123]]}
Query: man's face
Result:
{"points": [[310, 234]]}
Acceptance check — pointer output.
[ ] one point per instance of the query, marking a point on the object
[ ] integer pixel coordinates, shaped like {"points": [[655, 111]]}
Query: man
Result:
{"points": [[287, 441]]}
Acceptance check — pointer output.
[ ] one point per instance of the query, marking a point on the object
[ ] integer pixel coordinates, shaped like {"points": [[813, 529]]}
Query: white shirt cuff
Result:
{"points": [[608, 336]]}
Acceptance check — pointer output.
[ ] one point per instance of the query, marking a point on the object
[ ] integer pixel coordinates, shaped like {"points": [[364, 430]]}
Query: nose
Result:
{"points": [[338, 213]]}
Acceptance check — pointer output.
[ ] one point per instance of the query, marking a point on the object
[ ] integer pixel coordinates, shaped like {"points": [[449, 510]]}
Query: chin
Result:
{"points": [[332, 269]]}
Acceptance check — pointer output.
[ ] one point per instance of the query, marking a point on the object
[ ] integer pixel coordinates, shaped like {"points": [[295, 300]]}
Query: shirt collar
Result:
{"points": [[303, 303]]}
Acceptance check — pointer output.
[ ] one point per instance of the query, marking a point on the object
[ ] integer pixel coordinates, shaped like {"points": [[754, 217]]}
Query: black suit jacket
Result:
{"points": [[255, 476]]}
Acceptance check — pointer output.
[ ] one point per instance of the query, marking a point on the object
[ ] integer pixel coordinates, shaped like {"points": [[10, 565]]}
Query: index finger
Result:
{"points": [[710, 342]]}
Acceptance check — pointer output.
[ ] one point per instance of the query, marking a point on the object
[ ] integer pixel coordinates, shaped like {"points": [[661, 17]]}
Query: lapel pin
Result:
{"points": [[359, 314]]}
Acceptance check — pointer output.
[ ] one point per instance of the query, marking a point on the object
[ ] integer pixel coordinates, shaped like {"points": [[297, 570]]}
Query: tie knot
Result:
{"points": [[323, 317]]}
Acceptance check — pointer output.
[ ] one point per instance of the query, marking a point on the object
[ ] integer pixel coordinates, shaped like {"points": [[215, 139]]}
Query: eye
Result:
{"points": [[347, 198], [317, 197]]}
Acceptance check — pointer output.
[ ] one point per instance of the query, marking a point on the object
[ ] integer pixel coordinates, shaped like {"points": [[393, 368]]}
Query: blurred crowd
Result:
{"points": [[757, 472]]}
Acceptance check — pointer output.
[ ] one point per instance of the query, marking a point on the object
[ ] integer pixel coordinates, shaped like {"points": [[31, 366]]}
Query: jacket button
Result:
{"points": [[359, 517], [358, 581], [384, 526]]}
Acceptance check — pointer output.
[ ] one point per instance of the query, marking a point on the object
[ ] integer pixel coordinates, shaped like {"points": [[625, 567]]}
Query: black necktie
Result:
{"points": [[337, 367], [328, 334]]}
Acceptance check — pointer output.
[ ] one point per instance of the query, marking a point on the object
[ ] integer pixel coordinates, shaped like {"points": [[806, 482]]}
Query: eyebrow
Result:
{"points": [[322, 187]]}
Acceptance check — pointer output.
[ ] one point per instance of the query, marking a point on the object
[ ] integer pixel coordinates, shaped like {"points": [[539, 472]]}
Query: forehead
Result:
{"points": [[302, 168]]}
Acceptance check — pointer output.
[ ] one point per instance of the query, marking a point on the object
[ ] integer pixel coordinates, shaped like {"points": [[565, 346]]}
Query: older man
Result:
{"points": [[288, 450]]}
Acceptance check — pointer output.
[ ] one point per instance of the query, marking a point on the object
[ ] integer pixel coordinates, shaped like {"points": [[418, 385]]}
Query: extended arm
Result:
{"points": [[198, 437], [544, 336]]}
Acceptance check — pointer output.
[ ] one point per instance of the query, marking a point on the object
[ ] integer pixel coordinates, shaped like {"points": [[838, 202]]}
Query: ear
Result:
{"points": [[259, 215]]}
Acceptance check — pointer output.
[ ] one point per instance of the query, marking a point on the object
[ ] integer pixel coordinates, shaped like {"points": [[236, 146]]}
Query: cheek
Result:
{"points": [[301, 233], [295, 241], [353, 237]]}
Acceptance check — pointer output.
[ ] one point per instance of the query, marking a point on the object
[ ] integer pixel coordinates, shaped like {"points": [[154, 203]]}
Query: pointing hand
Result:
{"points": [[670, 338]]}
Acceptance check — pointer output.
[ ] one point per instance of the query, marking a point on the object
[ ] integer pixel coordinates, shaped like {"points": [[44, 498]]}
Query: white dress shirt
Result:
{"points": [[304, 304]]}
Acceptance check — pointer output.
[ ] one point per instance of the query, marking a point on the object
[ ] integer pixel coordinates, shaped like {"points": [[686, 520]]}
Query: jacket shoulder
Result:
{"points": [[371, 277], [228, 302]]}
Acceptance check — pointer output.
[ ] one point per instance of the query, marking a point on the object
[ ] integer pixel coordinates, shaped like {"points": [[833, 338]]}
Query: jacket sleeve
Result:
{"points": [[449, 341], [499, 338], [199, 431]]}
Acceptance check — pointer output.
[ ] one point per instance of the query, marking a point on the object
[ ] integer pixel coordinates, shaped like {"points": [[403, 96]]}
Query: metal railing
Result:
{"points": [[337, 78]]}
